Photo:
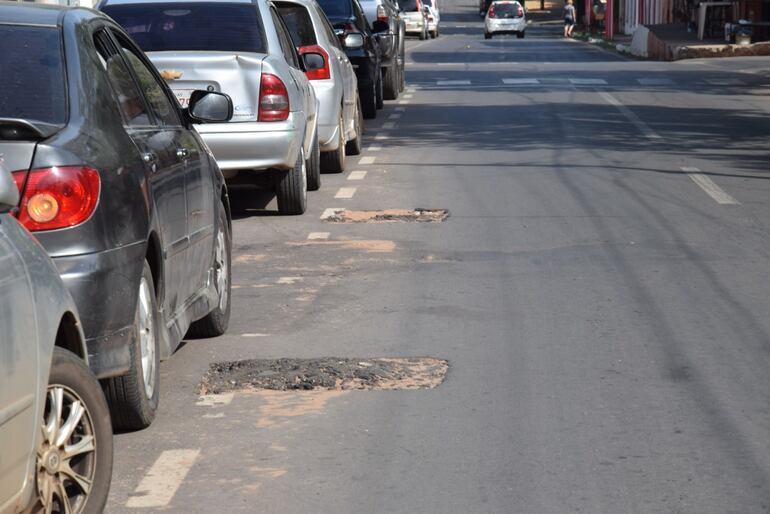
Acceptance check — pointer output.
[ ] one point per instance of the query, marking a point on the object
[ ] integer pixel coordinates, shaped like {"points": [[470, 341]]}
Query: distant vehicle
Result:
{"points": [[55, 433], [415, 17], [119, 189], [362, 48], [385, 20], [434, 16], [242, 48], [340, 121], [505, 17]]}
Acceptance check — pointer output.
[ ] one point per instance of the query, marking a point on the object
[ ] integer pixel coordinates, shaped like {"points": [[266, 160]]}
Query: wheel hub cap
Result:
{"points": [[147, 337], [221, 270]]}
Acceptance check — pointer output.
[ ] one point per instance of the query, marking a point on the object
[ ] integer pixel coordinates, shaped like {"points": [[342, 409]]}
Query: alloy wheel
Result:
{"points": [[220, 269], [147, 337]]}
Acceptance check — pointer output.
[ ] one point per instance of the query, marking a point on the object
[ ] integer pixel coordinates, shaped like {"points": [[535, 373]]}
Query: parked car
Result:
{"points": [[434, 16], [415, 17], [119, 189], [241, 48], [340, 121], [55, 433], [384, 17], [362, 48], [505, 17]]}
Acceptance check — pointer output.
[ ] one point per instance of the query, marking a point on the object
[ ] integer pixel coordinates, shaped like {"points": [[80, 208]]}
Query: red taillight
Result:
{"points": [[273, 99], [59, 197], [321, 73], [382, 15], [520, 12], [430, 18], [491, 12]]}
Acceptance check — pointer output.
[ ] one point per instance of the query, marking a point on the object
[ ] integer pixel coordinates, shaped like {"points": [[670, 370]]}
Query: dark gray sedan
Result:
{"points": [[119, 189]]}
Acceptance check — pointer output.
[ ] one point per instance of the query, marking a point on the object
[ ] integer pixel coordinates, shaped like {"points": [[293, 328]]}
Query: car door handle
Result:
{"points": [[182, 153]]}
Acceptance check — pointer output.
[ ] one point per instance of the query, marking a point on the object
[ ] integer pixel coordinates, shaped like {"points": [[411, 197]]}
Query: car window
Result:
{"points": [[327, 27], [336, 9], [214, 26], [429, 3], [164, 111], [32, 74], [408, 5], [127, 95], [299, 24], [506, 10], [289, 52]]}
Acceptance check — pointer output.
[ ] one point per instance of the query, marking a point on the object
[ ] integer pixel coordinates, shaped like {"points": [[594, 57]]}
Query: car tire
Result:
{"points": [[520, 35], [487, 35], [423, 35], [390, 88], [435, 32], [313, 166], [215, 323], [353, 147], [380, 99], [334, 161], [292, 188], [133, 398], [70, 380], [402, 75], [369, 102]]}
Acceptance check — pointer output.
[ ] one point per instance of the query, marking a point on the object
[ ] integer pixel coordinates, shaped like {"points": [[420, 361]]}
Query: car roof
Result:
{"points": [[124, 2], [31, 14]]}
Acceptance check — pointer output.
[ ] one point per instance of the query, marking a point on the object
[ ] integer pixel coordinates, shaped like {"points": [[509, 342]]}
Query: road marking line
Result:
{"points": [[161, 482], [374, 148], [331, 212], [709, 186], [725, 82], [655, 82], [411, 89], [289, 280], [400, 109], [453, 82], [367, 160], [214, 400], [408, 97], [521, 81], [380, 137], [403, 102], [388, 125], [356, 175], [394, 116], [318, 235], [633, 118], [345, 192], [588, 82], [255, 335]]}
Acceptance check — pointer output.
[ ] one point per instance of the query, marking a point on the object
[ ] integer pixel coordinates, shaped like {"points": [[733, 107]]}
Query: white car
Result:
{"points": [[505, 17], [434, 16], [340, 120], [415, 18]]}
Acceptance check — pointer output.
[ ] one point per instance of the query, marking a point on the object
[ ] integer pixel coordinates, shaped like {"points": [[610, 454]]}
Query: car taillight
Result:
{"points": [[381, 14], [520, 12], [430, 18], [58, 197], [273, 99], [491, 12], [321, 73]]}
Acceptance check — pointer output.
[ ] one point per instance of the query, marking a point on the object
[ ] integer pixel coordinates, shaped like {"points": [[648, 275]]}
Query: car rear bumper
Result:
{"points": [[511, 26], [104, 287], [254, 145], [329, 98]]}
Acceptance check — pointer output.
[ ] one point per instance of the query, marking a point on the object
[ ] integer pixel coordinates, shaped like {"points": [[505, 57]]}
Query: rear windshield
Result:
{"points": [[298, 21], [507, 10], [408, 5], [32, 74], [191, 26], [336, 9], [429, 3]]}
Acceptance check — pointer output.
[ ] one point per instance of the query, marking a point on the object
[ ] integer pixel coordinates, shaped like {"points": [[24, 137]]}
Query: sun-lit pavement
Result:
{"points": [[599, 291]]}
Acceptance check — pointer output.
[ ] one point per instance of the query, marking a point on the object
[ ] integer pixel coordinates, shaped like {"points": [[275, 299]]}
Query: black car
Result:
{"points": [[362, 48], [119, 189], [385, 19]]}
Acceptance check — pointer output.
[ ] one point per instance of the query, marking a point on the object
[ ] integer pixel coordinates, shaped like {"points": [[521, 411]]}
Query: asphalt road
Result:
{"points": [[600, 291]]}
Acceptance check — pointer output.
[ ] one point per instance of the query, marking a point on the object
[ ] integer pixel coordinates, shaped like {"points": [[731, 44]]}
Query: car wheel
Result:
{"points": [[369, 102], [487, 35], [435, 32], [215, 322], [390, 89], [314, 166], [334, 161], [353, 147], [74, 457], [402, 76], [520, 35], [380, 99], [423, 35], [292, 188], [133, 398]]}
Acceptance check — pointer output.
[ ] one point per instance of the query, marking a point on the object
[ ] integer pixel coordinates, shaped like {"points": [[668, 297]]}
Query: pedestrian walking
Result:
{"points": [[569, 18]]}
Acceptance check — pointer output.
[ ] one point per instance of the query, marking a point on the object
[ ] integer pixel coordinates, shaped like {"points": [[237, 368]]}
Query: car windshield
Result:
{"points": [[408, 5], [191, 26], [336, 9], [429, 3], [506, 10], [32, 74], [298, 21]]}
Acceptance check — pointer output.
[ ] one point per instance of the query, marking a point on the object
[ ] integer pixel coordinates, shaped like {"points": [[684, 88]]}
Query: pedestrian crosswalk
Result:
{"points": [[586, 82]]}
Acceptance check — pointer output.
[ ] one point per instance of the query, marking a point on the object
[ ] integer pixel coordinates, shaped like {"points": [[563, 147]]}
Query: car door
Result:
{"points": [[18, 365], [156, 144]]}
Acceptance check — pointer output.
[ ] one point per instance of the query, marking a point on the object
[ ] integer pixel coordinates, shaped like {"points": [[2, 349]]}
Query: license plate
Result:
{"points": [[183, 96]]}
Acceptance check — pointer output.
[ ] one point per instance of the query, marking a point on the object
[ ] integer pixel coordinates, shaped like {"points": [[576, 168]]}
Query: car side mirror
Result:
{"points": [[9, 193], [380, 26], [313, 61], [354, 40], [210, 107]]}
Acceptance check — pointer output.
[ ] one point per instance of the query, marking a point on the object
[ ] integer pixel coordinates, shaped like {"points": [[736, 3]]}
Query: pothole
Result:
{"points": [[387, 216], [327, 373]]}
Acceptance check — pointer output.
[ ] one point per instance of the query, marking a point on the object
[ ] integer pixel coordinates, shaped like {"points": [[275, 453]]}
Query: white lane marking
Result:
{"points": [[411, 89], [374, 148], [403, 102], [331, 212], [214, 416], [709, 186], [318, 235], [381, 137], [725, 82], [255, 335], [388, 125], [394, 116], [655, 82], [588, 82], [633, 118], [408, 97], [289, 280], [521, 81], [345, 192], [161, 482], [214, 400], [453, 82], [400, 109], [367, 160], [356, 175]]}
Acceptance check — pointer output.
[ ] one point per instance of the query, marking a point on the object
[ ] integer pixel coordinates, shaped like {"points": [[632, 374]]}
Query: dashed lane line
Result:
{"points": [[356, 175], [725, 82], [161, 482], [394, 116], [408, 96], [345, 193], [255, 335], [331, 212], [367, 160], [389, 125], [709, 186], [318, 235], [381, 137], [374, 148], [453, 82], [400, 109], [633, 118], [655, 82], [288, 280], [520, 81], [588, 82]]}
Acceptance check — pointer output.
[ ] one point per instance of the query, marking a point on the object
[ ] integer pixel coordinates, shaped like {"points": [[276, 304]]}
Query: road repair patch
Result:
{"points": [[327, 373], [387, 216]]}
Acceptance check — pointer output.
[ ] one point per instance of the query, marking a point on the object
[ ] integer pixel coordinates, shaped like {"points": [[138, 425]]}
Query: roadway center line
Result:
{"points": [[453, 82], [356, 175], [389, 125], [633, 118], [161, 482], [394, 116], [318, 235], [381, 137], [400, 109], [521, 81], [709, 186], [367, 160], [588, 82], [345, 192]]}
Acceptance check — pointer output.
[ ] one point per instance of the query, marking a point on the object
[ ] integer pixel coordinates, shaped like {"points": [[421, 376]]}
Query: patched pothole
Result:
{"points": [[327, 373], [387, 216]]}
